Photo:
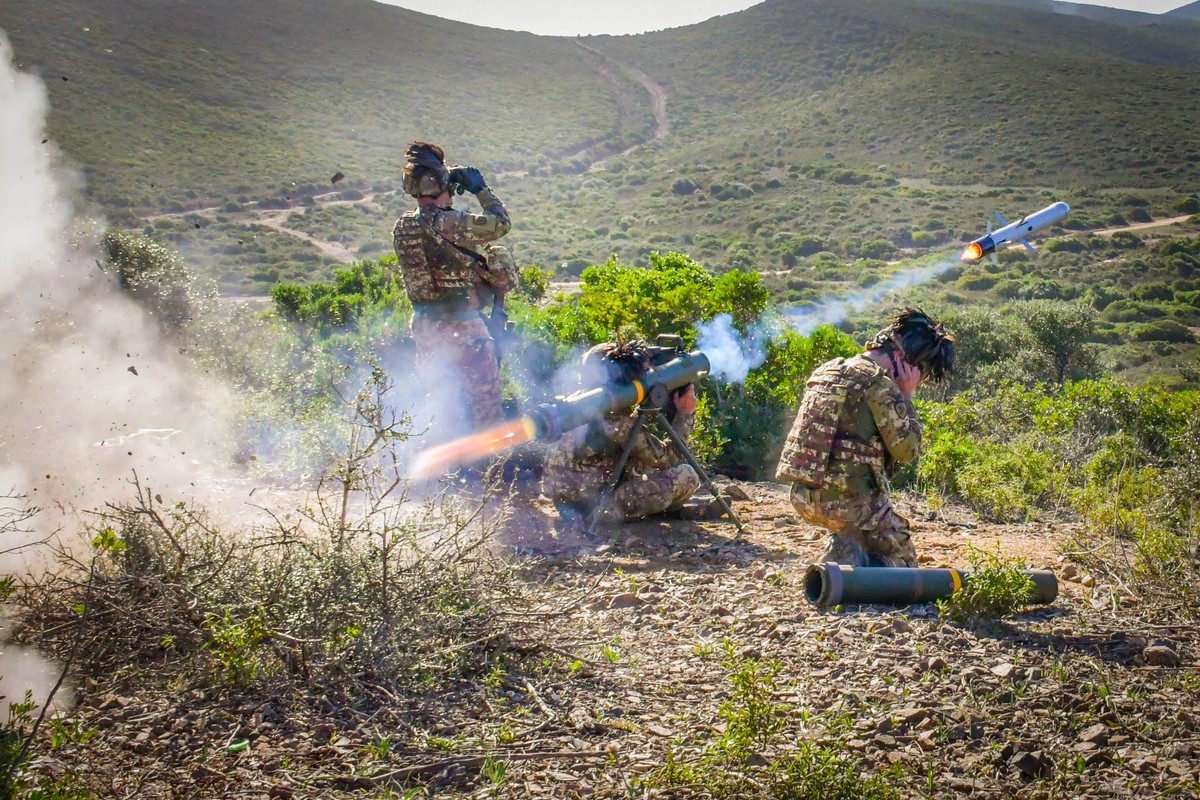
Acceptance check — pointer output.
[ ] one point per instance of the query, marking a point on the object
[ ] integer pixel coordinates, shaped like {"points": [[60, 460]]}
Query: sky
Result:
{"points": [[583, 17]]}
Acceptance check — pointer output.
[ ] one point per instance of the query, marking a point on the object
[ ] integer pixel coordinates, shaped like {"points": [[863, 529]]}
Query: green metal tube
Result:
{"points": [[551, 420], [838, 584]]}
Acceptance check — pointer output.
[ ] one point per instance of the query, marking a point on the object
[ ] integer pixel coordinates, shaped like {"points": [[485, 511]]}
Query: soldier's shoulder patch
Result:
{"points": [[479, 219]]}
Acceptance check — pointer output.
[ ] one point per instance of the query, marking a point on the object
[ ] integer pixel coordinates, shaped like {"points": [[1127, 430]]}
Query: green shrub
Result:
{"points": [[153, 275], [1164, 330], [367, 292], [1155, 290], [995, 588], [534, 283], [1186, 205], [670, 296], [976, 283], [1071, 245]]}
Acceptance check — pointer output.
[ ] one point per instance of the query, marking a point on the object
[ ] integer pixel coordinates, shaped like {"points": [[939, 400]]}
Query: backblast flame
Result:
{"points": [[472, 448], [973, 252]]}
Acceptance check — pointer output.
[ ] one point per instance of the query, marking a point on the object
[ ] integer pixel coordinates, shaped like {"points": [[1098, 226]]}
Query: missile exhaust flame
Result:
{"points": [[474, 447]]}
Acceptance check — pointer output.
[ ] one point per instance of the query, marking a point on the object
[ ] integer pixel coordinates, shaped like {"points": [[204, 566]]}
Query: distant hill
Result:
{"points": [[1190, 12], [798, 129], [169, 101], [173, 101]]}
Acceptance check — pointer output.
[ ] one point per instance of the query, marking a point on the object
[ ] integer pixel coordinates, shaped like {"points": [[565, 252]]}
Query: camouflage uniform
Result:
{"points": [[580, 466], [448, 287], [854, 424]]}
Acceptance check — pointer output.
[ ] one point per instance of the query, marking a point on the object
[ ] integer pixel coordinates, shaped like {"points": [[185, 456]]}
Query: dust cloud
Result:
{"points": [[90, 387]]}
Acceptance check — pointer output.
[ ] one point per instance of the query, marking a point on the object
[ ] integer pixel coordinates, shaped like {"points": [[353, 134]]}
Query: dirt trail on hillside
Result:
{"points": [[658, 102], [1137, 226], [274, 220]]}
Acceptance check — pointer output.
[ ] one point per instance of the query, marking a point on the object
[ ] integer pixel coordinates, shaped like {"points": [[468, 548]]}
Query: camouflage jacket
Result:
{"points": [[439, 276], [853, 426], [590, 452]]}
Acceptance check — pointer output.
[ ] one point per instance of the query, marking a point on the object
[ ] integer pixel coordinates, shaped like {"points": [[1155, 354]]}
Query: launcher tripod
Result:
{"points": [[653, 410]]}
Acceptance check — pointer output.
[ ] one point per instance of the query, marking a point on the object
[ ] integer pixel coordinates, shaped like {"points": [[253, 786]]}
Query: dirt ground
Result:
{"points": [[1093, 696]]}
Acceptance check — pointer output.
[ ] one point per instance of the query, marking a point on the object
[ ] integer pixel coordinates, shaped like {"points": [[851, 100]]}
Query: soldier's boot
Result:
{"points": [[844, 548], [892, 548], [698, 508], [612, 514]]}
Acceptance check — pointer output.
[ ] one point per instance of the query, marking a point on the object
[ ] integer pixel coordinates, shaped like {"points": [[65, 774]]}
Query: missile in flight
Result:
{"points": [[1014, 232]]}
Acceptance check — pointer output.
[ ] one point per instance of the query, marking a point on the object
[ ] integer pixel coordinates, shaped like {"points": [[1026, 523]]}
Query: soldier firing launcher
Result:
{"points": [[671, 368], [668, 367]]}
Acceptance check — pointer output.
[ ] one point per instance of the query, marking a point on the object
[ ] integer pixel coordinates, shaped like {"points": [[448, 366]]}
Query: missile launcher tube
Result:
{"points": [[552, 420], [837, 584]]}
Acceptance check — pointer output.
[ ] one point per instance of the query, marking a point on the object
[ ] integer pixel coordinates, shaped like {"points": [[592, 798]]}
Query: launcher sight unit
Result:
{"points": [[662, 368]]}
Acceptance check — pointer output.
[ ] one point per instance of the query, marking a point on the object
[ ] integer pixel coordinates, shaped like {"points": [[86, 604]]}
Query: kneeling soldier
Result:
{"points": [[581, 464], [856, 423]]}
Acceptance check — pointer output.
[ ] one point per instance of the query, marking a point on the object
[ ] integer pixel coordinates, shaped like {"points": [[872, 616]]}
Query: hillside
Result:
{"points": [[822, 145], [1191, 12], [172, 103], [177, 102]]}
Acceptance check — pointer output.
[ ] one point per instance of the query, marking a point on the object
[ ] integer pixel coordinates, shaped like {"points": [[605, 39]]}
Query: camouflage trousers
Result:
{"points": [[458, 367], [865, 529], [639, 495]]}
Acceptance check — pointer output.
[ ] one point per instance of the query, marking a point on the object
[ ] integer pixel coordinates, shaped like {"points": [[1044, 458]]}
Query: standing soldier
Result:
{"points": [[856, 422], [450, 274], [581, 465]]}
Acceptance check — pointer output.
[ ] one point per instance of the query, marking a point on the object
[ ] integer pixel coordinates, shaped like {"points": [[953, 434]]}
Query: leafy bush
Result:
{"points": [[534, 283], [672, 295], [1186, 205], [1164, 330], [996, 587], [1124, 459], [1071, 245], [368, 290], [1153, 290], [153, 275]]}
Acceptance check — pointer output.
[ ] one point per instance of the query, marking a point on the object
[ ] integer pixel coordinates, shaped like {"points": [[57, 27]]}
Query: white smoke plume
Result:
{"points": [[91, 389], [733, 354], [730, 353], [832, 310]]}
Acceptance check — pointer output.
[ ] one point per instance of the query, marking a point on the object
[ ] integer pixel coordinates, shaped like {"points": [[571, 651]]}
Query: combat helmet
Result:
{"points": [[924, 343], [425, 173]]}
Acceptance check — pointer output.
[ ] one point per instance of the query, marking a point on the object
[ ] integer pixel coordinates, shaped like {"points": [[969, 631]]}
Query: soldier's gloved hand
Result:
{"points": [[468, 179], [456, 180]]}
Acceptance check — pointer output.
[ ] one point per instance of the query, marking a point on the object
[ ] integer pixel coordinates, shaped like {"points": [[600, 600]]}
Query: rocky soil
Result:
{"points": [[632, 634]]}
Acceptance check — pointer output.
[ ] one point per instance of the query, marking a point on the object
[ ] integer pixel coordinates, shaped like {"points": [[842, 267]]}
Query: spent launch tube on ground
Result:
{"points": [[838, 584], [553, 419]]}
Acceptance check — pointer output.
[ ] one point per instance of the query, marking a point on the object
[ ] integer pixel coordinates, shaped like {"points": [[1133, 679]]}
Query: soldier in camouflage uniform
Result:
{"points": [[856, 422], [656, 478], [451, 272]]}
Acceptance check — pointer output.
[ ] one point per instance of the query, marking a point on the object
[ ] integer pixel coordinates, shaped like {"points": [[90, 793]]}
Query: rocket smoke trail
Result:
{"points": [[833, 310], [734, 354]]}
